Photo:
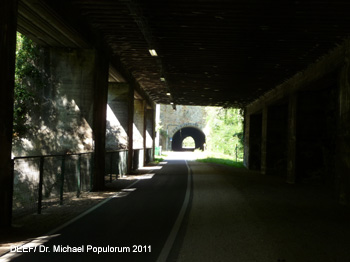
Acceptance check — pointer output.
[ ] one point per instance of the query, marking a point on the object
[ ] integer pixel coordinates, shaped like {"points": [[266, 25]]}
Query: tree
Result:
{"points": [[225, 130], [27, 79]]}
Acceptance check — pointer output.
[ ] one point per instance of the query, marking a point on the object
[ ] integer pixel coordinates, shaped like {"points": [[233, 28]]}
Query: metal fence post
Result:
{"points": [[41, 178], [236, 152], [111, 167], [91, 171], [62, 179]]}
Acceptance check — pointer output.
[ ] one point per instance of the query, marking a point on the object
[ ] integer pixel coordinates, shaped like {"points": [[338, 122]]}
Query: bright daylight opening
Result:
{"points": [[188, 142]]}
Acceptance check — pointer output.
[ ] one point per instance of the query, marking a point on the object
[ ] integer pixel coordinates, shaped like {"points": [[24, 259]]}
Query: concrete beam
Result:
{"points": [[40, 22], [323, 66], [8, 24]]}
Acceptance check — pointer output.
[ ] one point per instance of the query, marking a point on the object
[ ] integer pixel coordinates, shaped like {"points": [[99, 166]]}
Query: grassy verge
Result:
{"points": [[219, 159], [158, 159]]}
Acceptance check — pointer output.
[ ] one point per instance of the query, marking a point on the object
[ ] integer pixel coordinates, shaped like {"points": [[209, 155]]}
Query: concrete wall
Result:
{"points": [[60, 122], [300, 129], [117, 117], [62, 113]]}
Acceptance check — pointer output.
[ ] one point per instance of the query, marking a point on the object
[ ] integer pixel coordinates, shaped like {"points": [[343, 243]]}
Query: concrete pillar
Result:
{"points": [[264, 141], [144, 131], [154, 133], [139, 132], [343, 136], [99, 119], [117, 116], [291, 139], [149, 133], [276, 139], [255, 137], [246, 140], [157, 122], [8, 24], [130, 126]]}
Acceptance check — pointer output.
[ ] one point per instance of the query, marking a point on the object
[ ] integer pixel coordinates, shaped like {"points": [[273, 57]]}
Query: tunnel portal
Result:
{"points": [[197, 135]]}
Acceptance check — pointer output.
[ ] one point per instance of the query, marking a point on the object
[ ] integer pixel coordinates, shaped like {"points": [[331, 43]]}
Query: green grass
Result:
{"points": [[210, 157], [221, 161], [158, 159]]}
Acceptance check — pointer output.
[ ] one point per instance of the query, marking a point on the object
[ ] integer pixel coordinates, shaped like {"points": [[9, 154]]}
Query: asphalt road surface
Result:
{"points": [[238, 215], [133, 226], [230, 214]]}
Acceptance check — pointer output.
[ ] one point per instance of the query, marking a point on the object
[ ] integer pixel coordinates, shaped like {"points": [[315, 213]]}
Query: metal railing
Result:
{"points": [[49, 179]]}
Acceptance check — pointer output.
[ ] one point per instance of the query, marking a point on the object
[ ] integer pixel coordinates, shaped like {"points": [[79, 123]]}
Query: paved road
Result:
{"points": [[138, 222], [234, 215], [242, 216]]}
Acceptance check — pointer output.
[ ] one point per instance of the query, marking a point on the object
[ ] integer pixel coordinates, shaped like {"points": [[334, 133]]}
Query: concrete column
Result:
{"points": [[144, 131], [276, 139], [117, 116], [343, 136], [291, 139], [138, 134], [149, 133], [255, 136], [264, 141], [157, 121], [154, 133], [130, 126], [246, 140], [99, 119], [8, 24]]}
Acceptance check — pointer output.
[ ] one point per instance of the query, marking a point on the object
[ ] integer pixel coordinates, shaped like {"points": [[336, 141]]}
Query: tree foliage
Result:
{"points": [[225, 131], [27, 78], [188, 142]]}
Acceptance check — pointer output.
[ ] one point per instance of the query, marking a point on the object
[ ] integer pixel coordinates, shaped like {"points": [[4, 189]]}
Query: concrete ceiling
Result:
{"points": [[223, 53]]}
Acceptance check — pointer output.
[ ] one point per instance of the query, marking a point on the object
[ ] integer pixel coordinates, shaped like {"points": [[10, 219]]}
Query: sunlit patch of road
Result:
{"points": [[182, 155]]}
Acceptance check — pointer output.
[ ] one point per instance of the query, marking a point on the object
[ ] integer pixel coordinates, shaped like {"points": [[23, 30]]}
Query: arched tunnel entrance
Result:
{"points": [[197, 135]]}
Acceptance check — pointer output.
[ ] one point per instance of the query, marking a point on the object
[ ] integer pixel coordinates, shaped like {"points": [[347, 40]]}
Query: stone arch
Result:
{"points": [[194, 132]]}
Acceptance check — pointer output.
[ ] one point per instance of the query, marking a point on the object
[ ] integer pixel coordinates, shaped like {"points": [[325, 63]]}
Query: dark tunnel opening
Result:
{"points": [[197, 135]]}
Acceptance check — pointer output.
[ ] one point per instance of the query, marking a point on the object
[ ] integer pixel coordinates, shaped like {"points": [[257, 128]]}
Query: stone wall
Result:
{"points": [[173, 120]]}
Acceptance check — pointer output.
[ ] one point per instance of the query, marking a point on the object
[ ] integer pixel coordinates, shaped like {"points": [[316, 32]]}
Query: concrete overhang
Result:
{"points": [[218, 53]]}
